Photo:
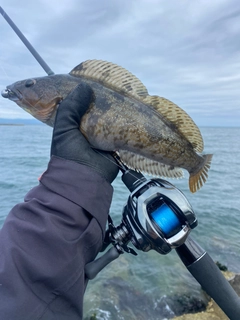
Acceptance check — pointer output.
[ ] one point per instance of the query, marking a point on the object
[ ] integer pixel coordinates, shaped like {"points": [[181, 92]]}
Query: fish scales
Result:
{"points": [[151, 134], [147, 132]]}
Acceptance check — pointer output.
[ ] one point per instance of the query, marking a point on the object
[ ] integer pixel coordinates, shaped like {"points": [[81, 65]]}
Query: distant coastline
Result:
{"points": [[12, 124], [19, 122]]}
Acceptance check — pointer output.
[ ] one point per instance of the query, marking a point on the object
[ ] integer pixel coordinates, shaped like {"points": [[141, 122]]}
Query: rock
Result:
{"points": [[235, 282], [180, 304], [213, 312]]}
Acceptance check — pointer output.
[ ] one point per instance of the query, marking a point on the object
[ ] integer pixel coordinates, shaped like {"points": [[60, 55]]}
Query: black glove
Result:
{"points": [[69, 143]]}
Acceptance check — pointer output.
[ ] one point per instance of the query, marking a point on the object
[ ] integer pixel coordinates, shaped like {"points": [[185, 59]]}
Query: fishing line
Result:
{"points": [[5, 72], [118, 162]]}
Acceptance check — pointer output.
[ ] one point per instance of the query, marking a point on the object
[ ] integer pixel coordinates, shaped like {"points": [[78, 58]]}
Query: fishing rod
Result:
{"points": [[157, 216], [36, 55]]}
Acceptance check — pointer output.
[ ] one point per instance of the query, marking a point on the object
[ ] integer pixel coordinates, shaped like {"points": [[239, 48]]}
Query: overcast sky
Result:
{"points": [[186, 51]]}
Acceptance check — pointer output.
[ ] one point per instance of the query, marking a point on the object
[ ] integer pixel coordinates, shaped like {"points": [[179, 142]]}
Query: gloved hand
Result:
{"points": [[69, 143]]}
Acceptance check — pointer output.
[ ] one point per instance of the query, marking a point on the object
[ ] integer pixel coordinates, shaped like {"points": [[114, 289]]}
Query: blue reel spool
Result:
{"points": [[166, 220]]}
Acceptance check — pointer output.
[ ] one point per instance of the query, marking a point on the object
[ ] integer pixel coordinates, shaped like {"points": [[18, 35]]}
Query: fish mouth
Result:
{"points": [[11, 95]]}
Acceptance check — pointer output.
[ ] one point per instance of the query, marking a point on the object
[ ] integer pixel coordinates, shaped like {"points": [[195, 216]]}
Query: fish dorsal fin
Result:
{"points": [[112, 76], [145, 165], [179, 118]]}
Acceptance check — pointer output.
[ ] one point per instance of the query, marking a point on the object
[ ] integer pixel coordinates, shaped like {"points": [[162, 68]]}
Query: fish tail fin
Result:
{"points": [[196, 180]]}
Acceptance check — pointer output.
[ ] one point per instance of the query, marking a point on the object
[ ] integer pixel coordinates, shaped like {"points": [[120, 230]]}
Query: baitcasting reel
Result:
{"points": [[156, 216]]}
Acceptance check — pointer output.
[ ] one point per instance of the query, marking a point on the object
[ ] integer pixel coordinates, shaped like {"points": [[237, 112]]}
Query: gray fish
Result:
{"points": [[151, 134]]}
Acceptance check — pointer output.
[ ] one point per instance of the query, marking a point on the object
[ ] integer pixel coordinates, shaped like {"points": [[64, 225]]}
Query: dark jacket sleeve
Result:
{"points": [[46, 241]]}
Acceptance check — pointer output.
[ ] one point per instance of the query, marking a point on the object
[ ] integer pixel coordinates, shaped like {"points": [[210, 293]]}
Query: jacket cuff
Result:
{"points": [[79, 184]]}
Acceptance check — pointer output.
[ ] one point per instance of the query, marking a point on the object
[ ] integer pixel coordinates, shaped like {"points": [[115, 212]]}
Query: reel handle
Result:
{"points": [[94, 267], [208, 275]]}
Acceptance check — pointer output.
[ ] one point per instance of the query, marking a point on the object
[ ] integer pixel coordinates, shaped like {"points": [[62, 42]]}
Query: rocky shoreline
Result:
{"points": [[136, 305]]}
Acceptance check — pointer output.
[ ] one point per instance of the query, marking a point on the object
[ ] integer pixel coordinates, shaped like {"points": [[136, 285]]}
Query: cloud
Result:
{"points": [[187, 51]]}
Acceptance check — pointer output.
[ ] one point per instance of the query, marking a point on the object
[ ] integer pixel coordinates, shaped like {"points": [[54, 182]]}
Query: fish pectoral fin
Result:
{"points": [[179, 118], [112, 76], [148, 166]]}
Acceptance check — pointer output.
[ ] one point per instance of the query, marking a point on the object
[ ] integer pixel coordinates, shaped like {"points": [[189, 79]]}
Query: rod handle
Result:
{"points": [[205, 271]]}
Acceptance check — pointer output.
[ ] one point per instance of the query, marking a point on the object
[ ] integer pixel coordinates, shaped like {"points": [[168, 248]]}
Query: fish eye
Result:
{"points": [[30, 82]]}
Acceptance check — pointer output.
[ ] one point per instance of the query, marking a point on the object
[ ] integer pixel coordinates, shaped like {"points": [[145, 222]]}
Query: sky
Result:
{"points": [[186, 51]]}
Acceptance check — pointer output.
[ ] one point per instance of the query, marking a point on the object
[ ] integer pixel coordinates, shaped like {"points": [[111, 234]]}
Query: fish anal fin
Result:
{"points": [[179, 118], [197, 180], [148, 166], [112, 76]]}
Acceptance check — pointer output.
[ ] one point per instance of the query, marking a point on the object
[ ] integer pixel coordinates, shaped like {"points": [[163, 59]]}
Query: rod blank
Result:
{"points": [[40, 60]]}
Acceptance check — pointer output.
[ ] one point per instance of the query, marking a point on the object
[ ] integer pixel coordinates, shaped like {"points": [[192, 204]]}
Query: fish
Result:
{"points": [[150, 134]]}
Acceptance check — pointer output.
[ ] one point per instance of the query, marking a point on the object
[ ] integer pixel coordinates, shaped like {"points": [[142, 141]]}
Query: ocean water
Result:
{"points": [[148, 285]]}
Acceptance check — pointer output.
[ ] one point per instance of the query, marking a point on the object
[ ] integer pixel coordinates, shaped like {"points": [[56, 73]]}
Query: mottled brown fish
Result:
{"points": [[150, 133]]}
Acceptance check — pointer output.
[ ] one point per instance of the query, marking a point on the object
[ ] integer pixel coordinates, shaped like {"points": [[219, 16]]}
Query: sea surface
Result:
{"points": [[149, 285]]}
